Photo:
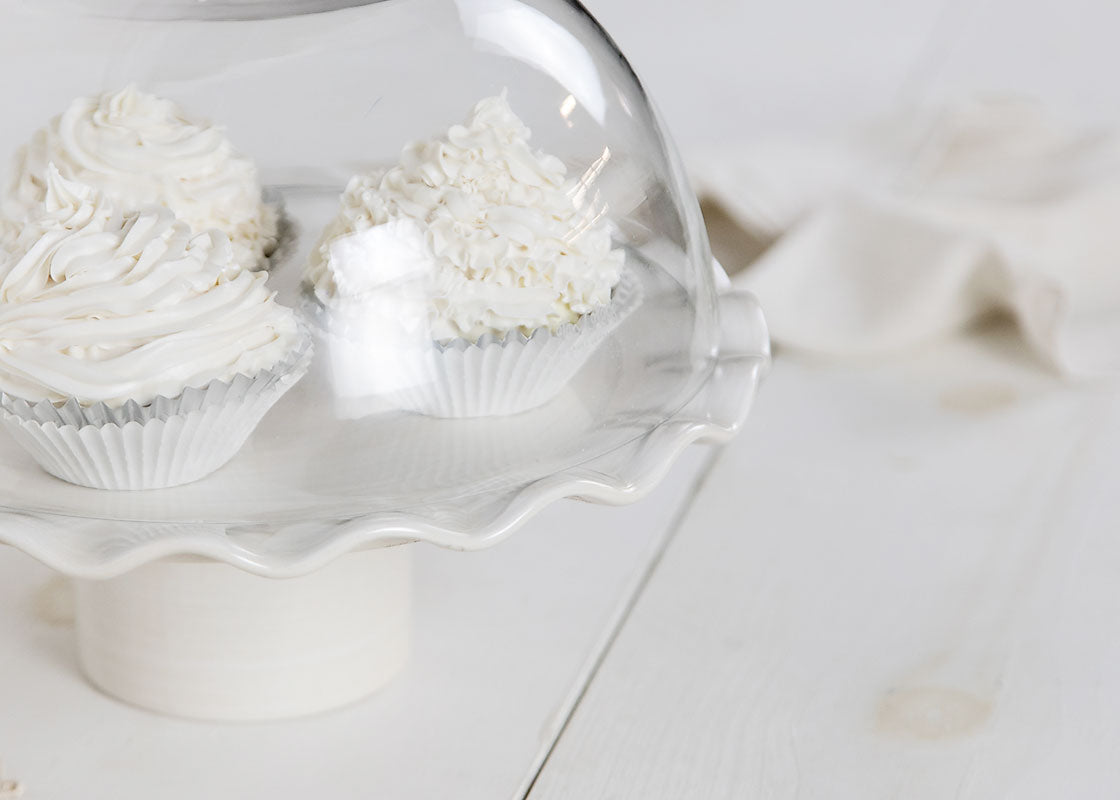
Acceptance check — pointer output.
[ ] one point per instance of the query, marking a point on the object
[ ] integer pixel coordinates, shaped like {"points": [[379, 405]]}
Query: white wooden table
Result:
{"points": [[900, 582]]}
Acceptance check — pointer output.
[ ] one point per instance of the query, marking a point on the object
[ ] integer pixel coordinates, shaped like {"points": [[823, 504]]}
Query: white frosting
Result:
{"points": [[105, 307], [143, 150], [509, 246]]}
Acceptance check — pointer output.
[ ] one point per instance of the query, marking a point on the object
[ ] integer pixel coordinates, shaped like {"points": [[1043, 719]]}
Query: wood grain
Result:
{"points": [[880, 593]]}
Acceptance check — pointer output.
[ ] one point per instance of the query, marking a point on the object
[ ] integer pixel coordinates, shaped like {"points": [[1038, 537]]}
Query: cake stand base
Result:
{"points": [[202, 639]]}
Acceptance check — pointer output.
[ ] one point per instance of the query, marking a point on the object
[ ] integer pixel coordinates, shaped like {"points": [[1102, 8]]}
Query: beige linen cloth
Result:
{"points": [[917, 226]]}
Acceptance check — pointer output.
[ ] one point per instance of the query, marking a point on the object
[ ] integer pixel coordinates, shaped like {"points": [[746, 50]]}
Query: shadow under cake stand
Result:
{"points": [[175, 611]]}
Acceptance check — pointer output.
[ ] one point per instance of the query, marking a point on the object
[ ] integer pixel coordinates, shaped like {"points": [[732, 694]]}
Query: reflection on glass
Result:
{"points": [[378, 321]]}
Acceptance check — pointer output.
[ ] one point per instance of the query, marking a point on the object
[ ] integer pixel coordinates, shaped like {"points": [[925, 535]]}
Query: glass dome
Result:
{"points": [[286, 271]]}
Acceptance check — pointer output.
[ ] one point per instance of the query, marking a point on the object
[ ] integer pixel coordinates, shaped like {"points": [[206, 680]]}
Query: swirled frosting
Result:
{"points": [[108, 307], [510, 243], [143, 150]]}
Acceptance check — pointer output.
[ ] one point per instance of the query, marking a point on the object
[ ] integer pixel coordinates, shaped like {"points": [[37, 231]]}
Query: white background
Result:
{"points": [[723, 71]]}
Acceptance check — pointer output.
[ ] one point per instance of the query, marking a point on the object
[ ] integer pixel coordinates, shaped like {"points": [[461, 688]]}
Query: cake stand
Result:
{"points": [[279, 585]]}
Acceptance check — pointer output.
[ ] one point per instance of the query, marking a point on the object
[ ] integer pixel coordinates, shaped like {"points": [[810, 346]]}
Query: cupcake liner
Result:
{"points": [[167, 442], [494, 377]]}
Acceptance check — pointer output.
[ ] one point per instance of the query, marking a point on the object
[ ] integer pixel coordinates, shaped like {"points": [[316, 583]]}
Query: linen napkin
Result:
{"points": [[914, 227]]}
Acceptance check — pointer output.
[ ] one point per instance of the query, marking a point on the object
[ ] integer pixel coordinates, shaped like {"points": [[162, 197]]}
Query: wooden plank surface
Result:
{"points": [[900, 582], [503, 639]]}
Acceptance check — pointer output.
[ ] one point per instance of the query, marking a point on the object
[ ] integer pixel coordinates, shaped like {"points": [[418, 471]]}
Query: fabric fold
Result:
{"points": [[931, 221]]}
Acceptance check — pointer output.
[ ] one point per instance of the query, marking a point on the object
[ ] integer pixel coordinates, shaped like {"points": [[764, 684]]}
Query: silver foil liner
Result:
{"points": [[491, 377], [167, 442]]}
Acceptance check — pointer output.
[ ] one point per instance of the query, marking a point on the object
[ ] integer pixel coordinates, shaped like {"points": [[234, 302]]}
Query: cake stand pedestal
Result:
{"points": [[197, 638]]}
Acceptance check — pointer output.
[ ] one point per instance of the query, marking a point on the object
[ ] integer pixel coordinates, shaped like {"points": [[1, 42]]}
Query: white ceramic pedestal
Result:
{"points": [[196, 638]]}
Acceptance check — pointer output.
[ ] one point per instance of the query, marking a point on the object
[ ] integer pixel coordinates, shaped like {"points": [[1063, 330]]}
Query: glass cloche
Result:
{"points": [[280, 275], [285, 283]]}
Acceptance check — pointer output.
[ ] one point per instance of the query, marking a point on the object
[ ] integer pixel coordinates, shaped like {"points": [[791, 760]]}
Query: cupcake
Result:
{"points": [[142, 150], [498, 271], [133, 353]]}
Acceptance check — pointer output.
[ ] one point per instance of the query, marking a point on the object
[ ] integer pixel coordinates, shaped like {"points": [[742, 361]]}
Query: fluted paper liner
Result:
{"points": [[167, 442], [490, 377]]}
